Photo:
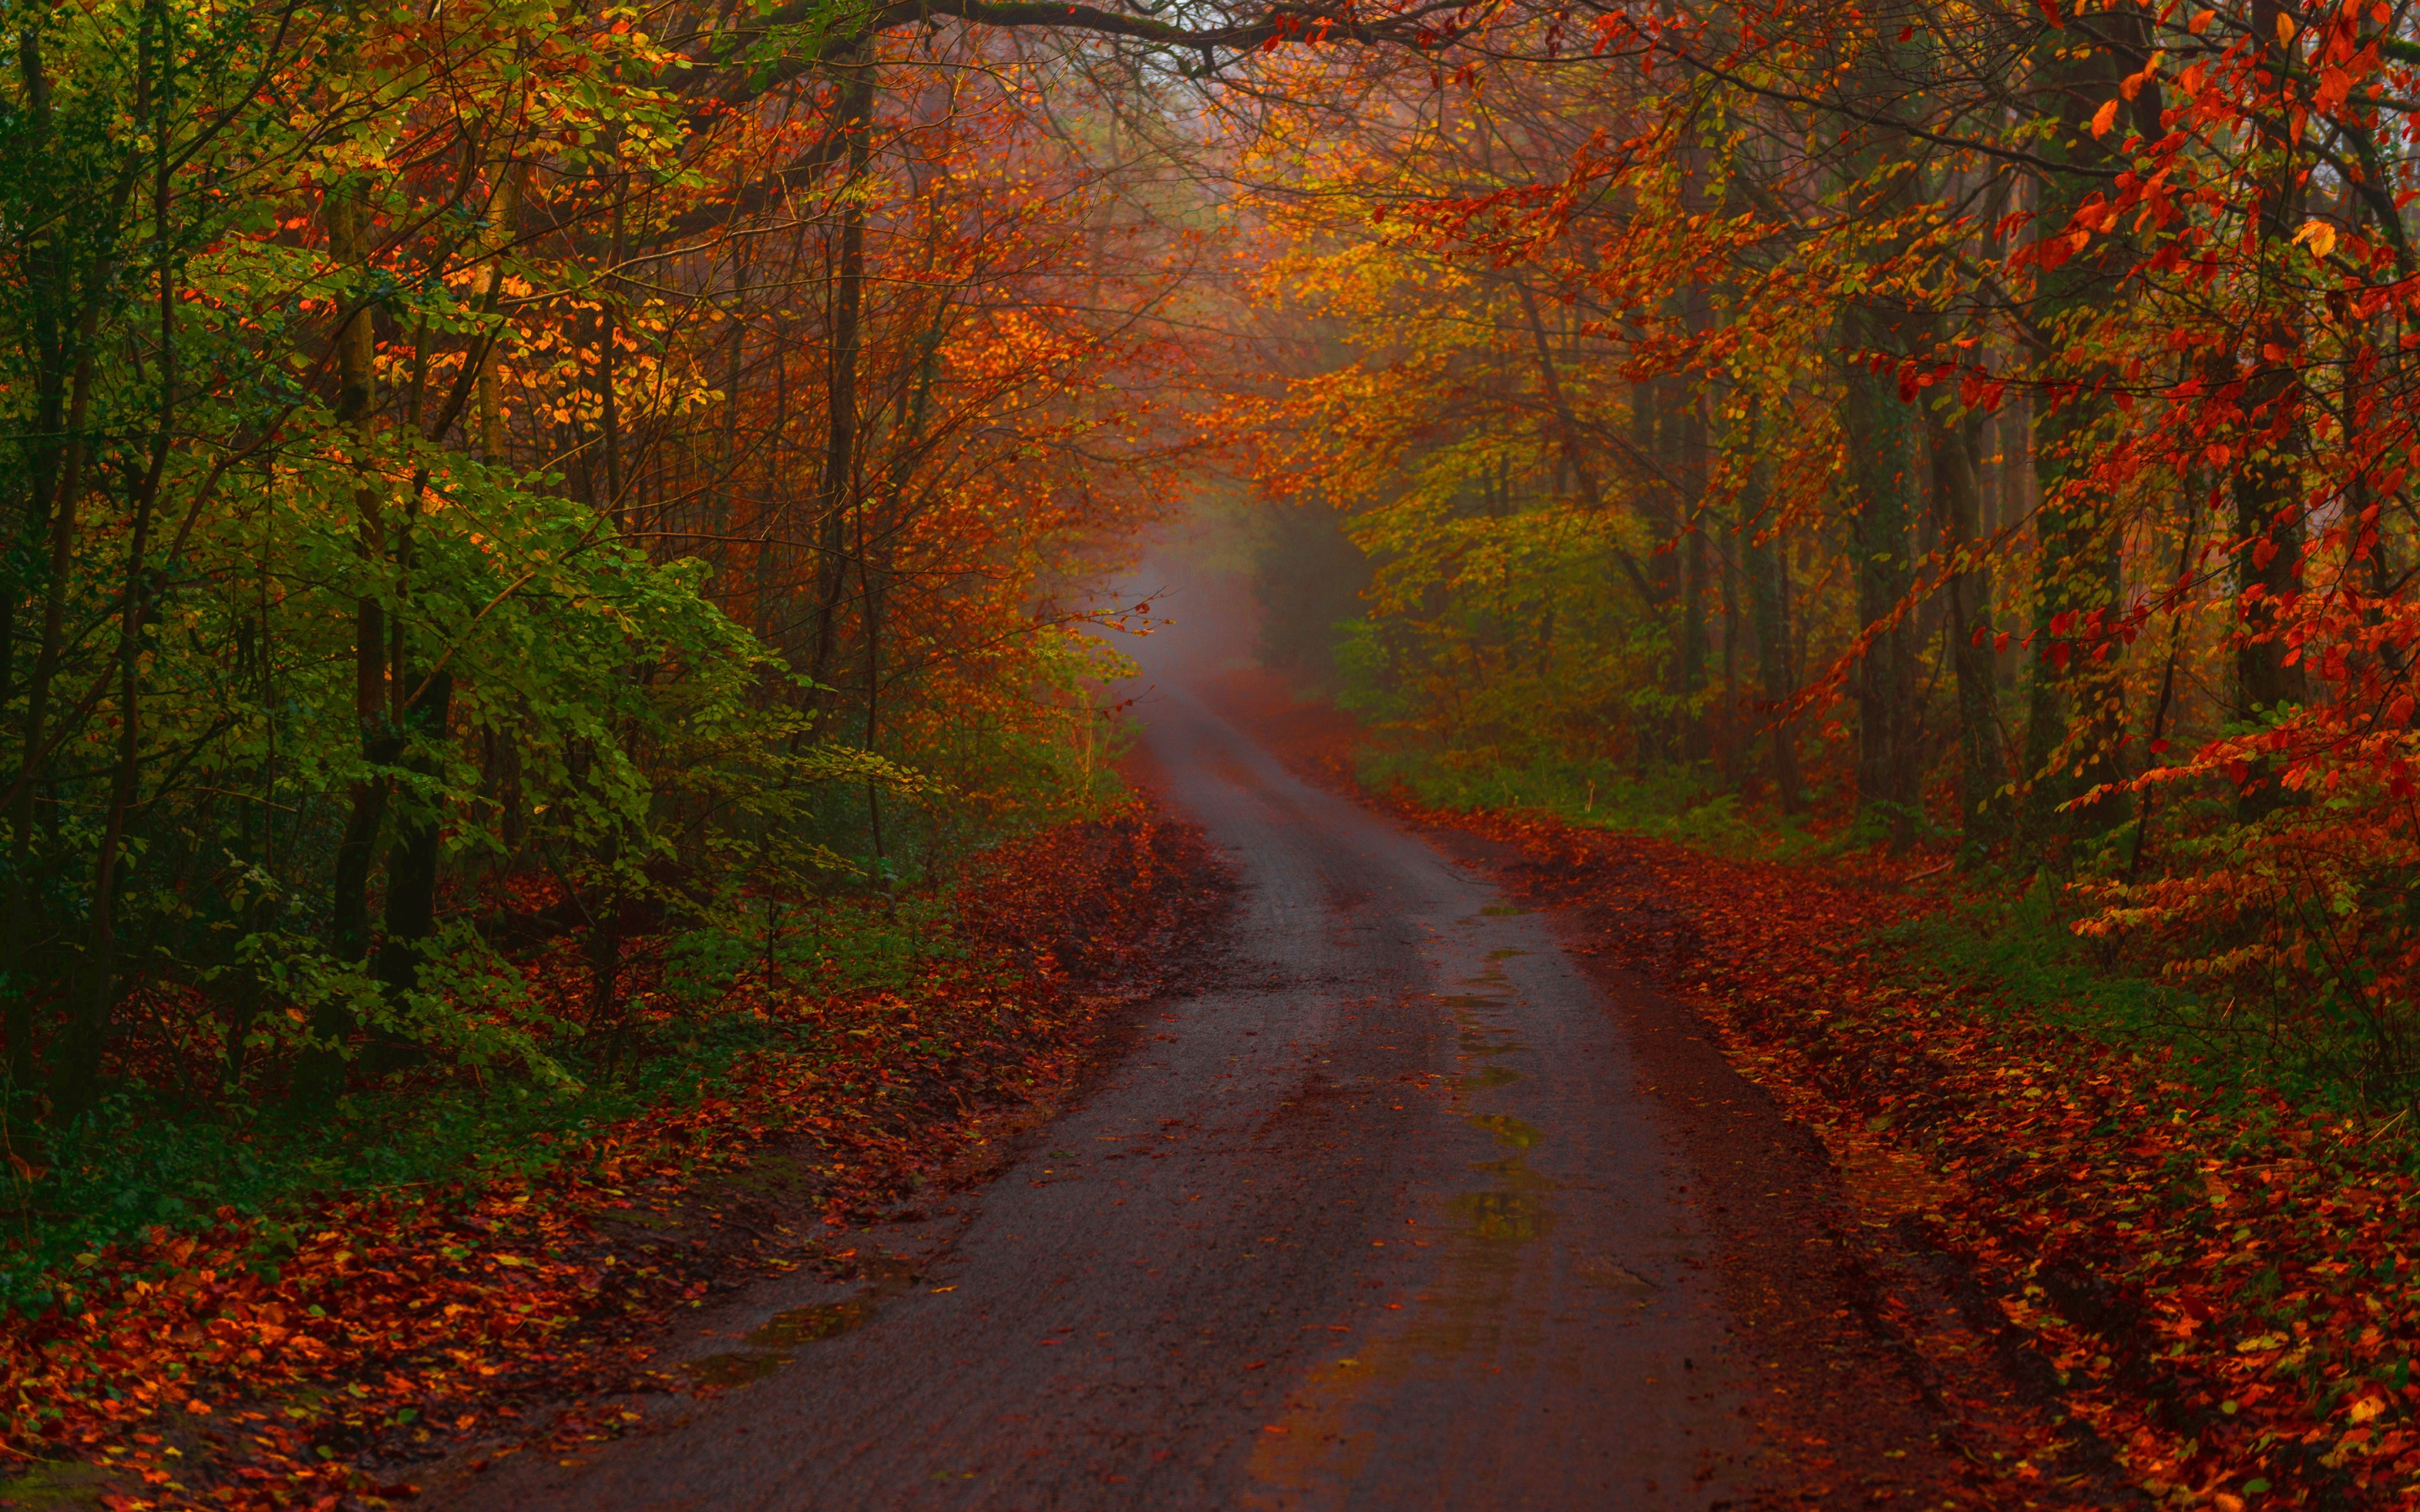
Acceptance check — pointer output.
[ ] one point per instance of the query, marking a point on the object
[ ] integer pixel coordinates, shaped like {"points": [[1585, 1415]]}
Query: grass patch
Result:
{"points": [[2008, 940], [135, 1165], [839, 948], [2015, 943], [1673, 803], [2011, 943], [144, 1160]]}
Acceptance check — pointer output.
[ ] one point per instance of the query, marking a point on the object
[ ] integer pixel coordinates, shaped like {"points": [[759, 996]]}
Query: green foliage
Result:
{"points": [[1367, 686], [843, 945], [990, 774], [1490, 622], [2013, 942], [142, 1157], [130, 1165], [1670, 803], [1882, 821], [300, 682]]}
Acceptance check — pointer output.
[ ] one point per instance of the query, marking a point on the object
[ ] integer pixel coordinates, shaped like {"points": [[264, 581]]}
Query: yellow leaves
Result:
{"points": [[2317, 235], [2285, 30]]}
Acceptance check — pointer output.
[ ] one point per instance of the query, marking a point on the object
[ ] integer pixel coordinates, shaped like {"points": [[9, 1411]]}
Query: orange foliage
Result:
{"points": [[2143, 1234], [397, 1312]]}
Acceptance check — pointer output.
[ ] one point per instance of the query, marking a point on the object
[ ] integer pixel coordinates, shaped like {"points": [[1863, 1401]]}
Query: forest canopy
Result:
{"points": [[1991, 424], [559, 660], [502, 495], [505, 496]]}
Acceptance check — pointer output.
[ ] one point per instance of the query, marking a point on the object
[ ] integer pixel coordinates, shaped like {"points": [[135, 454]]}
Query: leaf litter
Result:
{"points": [[2223, 1285], [188, 1373]]}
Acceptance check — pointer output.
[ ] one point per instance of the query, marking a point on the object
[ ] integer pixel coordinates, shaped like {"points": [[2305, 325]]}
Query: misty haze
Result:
{"points": [[1210, 755]]}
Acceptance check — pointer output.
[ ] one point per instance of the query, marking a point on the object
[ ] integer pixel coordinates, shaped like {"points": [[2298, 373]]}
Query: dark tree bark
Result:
{"points": [[1764, 562], [2268, 516], [833, 498], [2074, 715], [347, 210], [1957, 505], [1880, 439], [411, 863]]}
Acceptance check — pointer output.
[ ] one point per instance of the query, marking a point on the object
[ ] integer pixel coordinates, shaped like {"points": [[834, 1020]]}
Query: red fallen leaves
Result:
{"points": [[2227, 1292], [423, 1314]]}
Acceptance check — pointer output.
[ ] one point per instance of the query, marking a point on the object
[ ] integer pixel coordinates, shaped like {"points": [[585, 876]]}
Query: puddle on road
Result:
{"points": [[1500, 1279], [1514, 1210], [1502, 1282], [1513, 1171], [1503, 1217], [1474, 1041], [768, 1348], [1506, 1129], [1469, 1313], [807, 1325], [887, 1270], [734, 1368]]}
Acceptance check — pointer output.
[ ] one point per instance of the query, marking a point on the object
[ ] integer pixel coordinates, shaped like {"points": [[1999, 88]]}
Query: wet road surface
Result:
{"points": [[1379, 1219]]}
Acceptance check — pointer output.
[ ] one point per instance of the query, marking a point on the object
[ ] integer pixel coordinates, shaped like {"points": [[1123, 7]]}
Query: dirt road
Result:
{"points": [[1379, 1219]]}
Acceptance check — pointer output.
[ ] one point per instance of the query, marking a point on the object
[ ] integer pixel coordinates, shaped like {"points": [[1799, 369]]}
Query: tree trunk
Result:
{"points": [[848, 308], [411, 862], [2074, 715], [64, 379], [2268, 513], [1764, 561], [348, 212], [1957, 504], [88, 1033], [504, 209], [1878, 439]]}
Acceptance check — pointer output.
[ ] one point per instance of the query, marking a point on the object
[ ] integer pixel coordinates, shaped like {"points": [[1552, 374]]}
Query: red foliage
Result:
{"points": [[222, 1382], [2224, 1284]]}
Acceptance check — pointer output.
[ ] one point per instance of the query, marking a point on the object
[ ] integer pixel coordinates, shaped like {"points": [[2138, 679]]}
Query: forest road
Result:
{"points": [[1380, 1218]]}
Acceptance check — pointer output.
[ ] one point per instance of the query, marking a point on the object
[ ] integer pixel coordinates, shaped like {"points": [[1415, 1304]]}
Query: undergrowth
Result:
{"points": [[145, 1158], [279, 1358], [2010, 943], [1674, 803], [2006, 940]]}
